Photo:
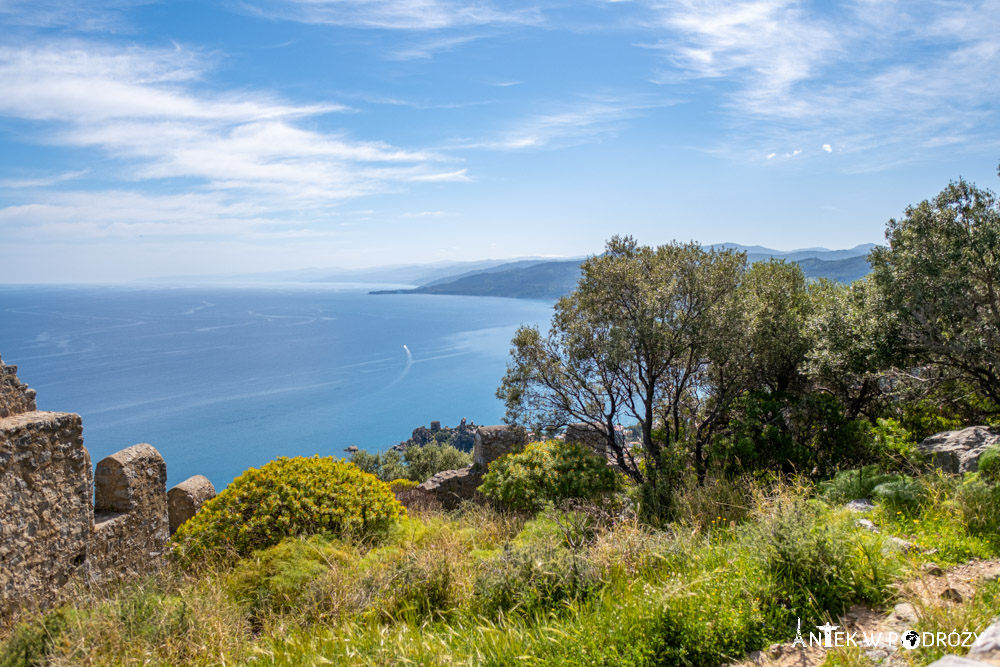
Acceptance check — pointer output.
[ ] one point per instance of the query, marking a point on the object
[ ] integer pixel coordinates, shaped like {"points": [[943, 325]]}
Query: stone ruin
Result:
{"points": [[61, 523], [451, 487]]}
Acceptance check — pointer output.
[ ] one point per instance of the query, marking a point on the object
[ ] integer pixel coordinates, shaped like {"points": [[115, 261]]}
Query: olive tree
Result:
{"points": [[634, 340], [940, 279]]}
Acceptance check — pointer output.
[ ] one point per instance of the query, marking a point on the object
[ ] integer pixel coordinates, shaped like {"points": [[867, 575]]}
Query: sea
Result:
{"points": [[220, 379]]}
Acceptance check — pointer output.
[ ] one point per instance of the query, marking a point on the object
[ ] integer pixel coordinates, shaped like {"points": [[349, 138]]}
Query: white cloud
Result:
{"points": [[42, 181], [827, 148], [587, 121], [144, 108], [881, 74], [395, 14]]}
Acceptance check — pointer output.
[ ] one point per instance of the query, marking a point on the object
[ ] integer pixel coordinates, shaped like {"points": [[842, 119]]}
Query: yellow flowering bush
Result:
{"points": [[288, 497]]}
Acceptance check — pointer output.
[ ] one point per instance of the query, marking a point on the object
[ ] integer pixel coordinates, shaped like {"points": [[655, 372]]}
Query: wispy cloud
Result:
{"points": [[588, 120], [42, 181], [395, 14], [145, 109], [80, 16], [867, 73]]}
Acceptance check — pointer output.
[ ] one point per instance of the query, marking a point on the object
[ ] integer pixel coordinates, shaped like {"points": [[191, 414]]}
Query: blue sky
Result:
{"points": [[142, 139]]}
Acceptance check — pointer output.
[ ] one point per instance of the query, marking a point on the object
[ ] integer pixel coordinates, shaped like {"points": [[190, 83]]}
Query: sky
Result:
{"points": [[142, 139]]}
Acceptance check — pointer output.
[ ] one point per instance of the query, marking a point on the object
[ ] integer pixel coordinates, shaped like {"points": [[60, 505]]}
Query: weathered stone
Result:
{"points": [[900, 544], [860, 505], [933, 569], [131, 526], [49, 530], [904, 611], [45, 512], [987, 645], [185, 499], [593, 436], [959, 451], [451, 487], [492, 442], [952, 595], [15, 396], [867, 524], [955, 661]]}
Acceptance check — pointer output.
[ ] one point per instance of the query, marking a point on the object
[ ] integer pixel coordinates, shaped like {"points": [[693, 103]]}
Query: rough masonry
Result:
{"points": [[59, 522], [451, 487]]}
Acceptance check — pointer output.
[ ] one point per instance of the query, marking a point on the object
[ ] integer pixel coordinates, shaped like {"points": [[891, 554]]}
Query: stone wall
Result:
{"points": [[451, 487], [15, 397], [46, 516], [130, 513], [51, 532]]}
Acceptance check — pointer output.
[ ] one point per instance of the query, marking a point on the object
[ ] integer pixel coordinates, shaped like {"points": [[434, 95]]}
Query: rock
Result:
{"points": [[987, 646], [959, 451], [900, 544], [932, 569], [860, 505], [904, 611], [350, 449], [867, 524], [757, 657], [929, 552], [185, 499], [877, 655], [955, 661], [775, 650], [952, 595]]}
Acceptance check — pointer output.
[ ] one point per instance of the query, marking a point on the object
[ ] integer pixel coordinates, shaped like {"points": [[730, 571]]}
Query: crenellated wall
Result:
{"points": [[51, 531]]}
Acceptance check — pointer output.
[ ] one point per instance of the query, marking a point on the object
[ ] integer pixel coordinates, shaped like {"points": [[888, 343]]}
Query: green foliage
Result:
{"points": [[289, 497], [989, 464], [978, 502], [849, 485], [793, 433], [549, 471], [938, 277], [418, 463], [30, 643], [426, 461], [901, 495]]}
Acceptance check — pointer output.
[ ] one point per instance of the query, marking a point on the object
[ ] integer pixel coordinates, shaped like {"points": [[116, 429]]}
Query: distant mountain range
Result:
{"points": [[550, 279]]}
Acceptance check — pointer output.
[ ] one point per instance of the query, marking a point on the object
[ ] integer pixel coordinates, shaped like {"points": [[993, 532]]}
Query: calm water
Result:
{"points": [[221, 379]]}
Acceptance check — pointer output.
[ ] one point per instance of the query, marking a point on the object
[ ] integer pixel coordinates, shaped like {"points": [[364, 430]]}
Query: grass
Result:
{"points": [[570, 586]]}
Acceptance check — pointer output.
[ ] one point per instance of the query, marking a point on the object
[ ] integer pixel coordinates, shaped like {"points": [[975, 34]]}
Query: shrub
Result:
{"points": [[533, 577], [989, 464], [852, 484], [549, 471], [978, 502], [902, 495], [285, 498], [426, 461]]}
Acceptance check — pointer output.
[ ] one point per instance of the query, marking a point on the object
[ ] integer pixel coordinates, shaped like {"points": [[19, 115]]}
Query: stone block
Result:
{"points": [[492, 442], [185, 499], [959, 451]]}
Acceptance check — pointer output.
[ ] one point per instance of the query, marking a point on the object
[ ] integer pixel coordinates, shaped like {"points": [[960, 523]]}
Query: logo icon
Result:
{"points": [[910, 640]]}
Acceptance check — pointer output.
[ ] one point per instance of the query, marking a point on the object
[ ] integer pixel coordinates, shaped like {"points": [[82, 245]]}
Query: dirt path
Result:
{"points": [[931, 588]]}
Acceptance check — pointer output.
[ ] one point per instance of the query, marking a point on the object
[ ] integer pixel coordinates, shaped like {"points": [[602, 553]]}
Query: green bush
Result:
{"points": [[853, 484], [989, 464], [533, 577], [904, 495], [426, 461], [550, 471], [978, 501], [289, 497]]}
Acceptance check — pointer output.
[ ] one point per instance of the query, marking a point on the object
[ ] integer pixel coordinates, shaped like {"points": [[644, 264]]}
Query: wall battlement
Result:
{"points": [[59, 522]]}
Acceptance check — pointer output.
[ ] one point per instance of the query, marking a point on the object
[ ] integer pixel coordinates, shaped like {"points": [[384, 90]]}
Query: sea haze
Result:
{"points": [[221, 379]]}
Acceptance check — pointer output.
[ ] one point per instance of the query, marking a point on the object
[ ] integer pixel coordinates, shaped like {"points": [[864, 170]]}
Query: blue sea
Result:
{"points": [[224, 378]]}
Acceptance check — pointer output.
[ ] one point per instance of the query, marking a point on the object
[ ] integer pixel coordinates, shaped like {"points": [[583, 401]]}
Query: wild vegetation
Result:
{"points": [[761, 403]]}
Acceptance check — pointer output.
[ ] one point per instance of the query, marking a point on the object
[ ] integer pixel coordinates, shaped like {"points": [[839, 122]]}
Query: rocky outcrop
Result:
{"points": [[185, 499], [959, 451], [461, 437], [985, 652], [451, 487]]}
